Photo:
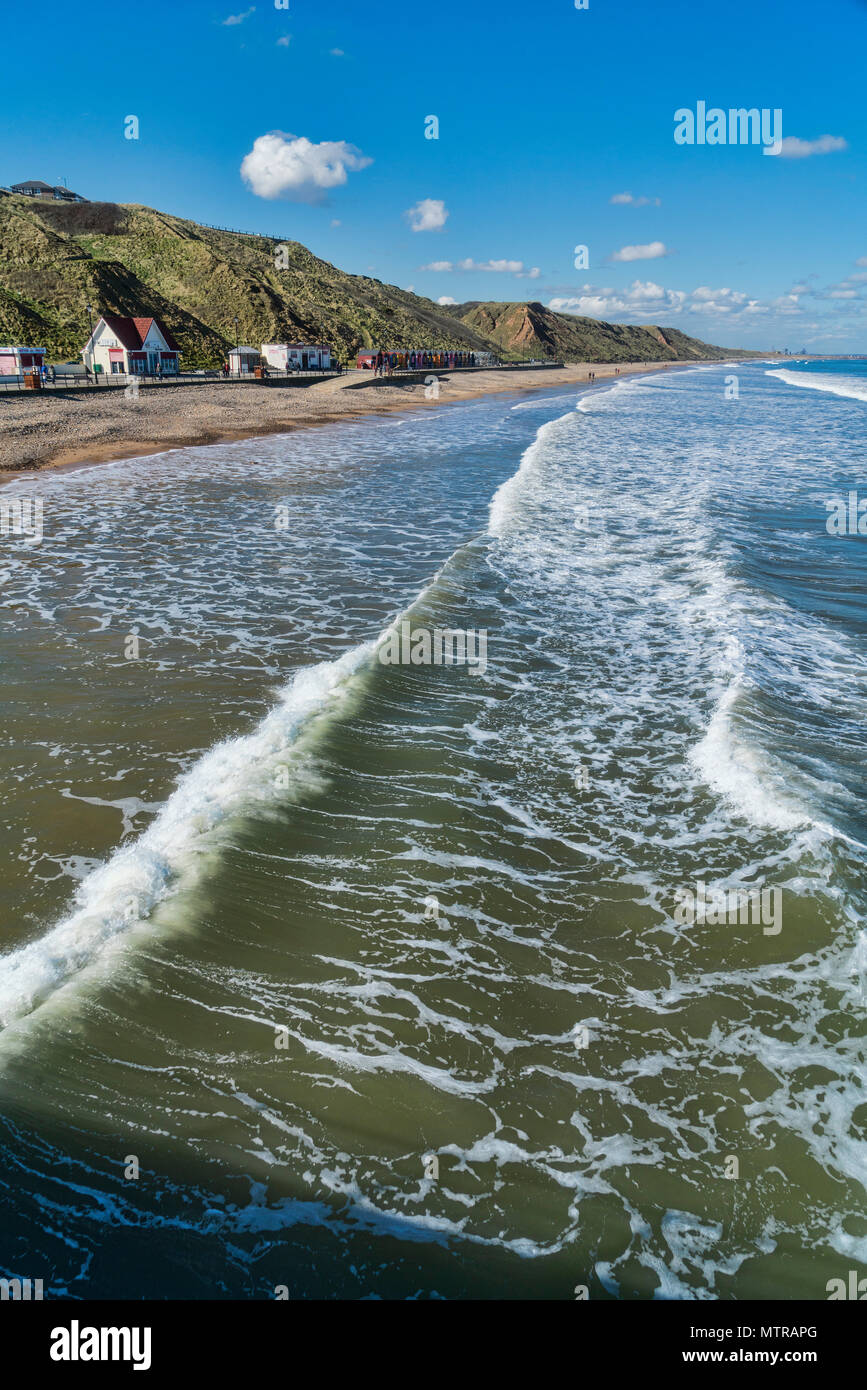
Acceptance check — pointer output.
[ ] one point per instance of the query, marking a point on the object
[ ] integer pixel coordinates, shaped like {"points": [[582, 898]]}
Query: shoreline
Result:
{"points": [[46, 430]]}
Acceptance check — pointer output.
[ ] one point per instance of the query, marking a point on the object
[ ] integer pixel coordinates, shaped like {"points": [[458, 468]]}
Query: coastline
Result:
{"points": [[63, 431], [60, 431]]}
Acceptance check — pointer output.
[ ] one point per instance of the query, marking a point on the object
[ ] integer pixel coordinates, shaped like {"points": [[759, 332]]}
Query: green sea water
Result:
{"points": [[359, 980]]}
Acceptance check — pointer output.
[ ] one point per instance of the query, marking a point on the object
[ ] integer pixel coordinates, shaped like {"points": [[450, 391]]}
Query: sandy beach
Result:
{"points": [[58, 429]]}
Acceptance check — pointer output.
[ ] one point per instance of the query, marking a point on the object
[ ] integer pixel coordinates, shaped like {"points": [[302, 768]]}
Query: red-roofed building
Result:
{"points": [[131, 347]]}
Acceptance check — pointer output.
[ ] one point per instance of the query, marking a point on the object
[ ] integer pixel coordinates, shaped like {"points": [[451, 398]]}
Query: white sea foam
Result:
{"points": [[238, 776], [537, 405], [235, 776], [741, 774], [853, 388], [505, 503]]}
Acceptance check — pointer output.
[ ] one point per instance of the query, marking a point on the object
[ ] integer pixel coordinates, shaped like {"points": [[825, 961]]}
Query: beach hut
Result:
{"points": [[16, 360], [243, 361], [122, 346], [299, 357], [366, 359]]}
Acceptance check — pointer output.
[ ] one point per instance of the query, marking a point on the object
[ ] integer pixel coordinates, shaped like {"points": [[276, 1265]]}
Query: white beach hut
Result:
{"points": [[299, 357], [243, 361]]}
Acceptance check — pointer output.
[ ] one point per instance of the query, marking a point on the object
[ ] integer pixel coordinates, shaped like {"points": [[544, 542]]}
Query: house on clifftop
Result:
{"points": [[35, 188], [131, 347]]}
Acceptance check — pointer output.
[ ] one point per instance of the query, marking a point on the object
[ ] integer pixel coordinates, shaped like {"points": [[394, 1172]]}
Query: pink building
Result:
{"points": [[15, 361]]}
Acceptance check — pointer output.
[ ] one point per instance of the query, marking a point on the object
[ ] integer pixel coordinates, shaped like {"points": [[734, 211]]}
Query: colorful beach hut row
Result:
{"points": [[421, 358]]}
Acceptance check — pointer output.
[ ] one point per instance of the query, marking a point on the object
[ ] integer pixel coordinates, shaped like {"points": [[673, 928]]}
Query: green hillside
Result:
{"points": [[55, 258]]}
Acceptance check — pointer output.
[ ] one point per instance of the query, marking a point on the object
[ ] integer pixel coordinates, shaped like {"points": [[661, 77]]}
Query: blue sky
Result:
{"points": [[545, 114]]}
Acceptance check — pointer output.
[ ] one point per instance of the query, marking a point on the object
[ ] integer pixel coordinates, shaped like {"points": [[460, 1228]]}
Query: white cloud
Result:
{"points": [[862, 260], [723, 301], [290, 166], [643, 298], [516, 268], [851, 287], [651, 252], [494, 267], [727, 315], [239, 18], [705, 295], [285, 41], [446, 299], [794, 148], [641, 202], [336, 222], [336, 52], [428, 215]]}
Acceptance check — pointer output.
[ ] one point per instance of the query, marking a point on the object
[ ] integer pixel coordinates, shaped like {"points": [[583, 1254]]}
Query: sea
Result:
{"points": [[326, 977]]}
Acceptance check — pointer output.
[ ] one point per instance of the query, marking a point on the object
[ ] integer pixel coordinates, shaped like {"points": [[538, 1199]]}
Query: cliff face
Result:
{"points": [[518, 328], [56, 258]]}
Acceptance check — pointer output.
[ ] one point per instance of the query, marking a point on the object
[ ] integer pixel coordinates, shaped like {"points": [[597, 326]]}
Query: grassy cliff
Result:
{"points": [[55, 258]]}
